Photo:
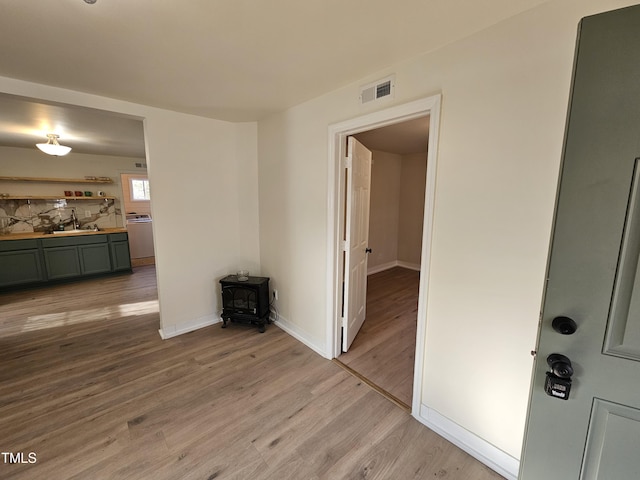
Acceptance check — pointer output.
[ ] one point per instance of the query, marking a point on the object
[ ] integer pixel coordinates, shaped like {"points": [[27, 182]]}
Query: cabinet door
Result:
{"points": [[94, 258], [20, 267], [62, 262], [120, 256]]}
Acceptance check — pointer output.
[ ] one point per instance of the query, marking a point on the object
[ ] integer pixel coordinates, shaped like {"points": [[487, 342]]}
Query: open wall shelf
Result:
{"points": [[53, 197], [58, 180]]}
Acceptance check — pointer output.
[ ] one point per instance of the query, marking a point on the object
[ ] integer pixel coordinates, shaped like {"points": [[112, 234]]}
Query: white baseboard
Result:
{"points": [[382, 267], [171, 331], [410, 266], [301, 336], [396, 263], [483, 451]]}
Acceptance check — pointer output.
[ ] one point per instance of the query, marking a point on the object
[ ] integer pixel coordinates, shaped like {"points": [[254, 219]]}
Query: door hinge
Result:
{"points": [[344, 245], [348, 162]]}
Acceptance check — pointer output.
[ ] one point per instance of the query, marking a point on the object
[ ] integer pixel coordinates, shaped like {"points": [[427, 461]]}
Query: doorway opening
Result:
{"points": [[383, 349], [83, 192], [338, 134]]}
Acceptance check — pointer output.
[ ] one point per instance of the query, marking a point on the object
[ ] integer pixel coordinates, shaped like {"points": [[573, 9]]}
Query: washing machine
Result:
{"points": [[140, 228]]}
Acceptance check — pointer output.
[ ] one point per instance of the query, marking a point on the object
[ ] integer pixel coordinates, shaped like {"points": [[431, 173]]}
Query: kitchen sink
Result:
{"points": [[70, 231]]}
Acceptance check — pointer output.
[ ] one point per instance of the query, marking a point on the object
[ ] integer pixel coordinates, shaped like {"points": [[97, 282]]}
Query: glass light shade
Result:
{"points": [[52, 147]]}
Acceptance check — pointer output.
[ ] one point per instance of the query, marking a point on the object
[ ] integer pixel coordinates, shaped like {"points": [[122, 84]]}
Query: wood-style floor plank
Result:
{"points": [[101, 396], [383, 352]]}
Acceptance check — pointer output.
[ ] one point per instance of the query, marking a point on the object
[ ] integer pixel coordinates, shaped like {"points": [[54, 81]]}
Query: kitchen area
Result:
{"points": [[76, 211]]}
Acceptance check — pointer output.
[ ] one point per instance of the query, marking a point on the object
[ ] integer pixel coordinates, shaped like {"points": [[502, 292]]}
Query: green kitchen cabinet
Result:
{"points": [[52, 259], [94, 258], [20, 263], [62, 262], [68, 257], [120, 255]]}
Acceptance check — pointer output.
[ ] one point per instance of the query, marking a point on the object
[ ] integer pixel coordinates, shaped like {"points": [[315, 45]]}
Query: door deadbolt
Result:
{"points": [[564, 325]]}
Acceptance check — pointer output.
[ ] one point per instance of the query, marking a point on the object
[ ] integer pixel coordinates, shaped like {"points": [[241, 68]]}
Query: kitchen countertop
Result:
{"points": [[29, 235]]}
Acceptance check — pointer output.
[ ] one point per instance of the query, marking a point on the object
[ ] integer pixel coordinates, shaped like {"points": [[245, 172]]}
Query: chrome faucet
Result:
{"points": [[74, 220]]}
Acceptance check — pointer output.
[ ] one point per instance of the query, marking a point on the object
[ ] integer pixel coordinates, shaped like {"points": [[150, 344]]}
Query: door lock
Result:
{"points": [[367, 250], [564, 325], [558, 381]]}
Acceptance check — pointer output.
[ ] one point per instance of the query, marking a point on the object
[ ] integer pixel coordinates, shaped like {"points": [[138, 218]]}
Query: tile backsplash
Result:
{"points": [[38, 215]]}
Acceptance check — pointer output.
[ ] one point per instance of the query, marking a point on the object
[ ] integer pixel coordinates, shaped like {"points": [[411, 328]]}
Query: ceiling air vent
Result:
{"points": [[377, 90], [141, 165]]}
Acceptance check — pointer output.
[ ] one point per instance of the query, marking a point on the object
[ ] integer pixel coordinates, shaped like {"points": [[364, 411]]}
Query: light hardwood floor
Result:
{"points": [[383, 352], [101, 396]]}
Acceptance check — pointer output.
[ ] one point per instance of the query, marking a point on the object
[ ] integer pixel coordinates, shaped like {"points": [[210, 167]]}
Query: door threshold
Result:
{"points": [[377, 388]]}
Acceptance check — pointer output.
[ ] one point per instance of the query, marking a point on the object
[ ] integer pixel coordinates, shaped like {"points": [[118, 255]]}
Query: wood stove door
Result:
{"points": [[239, 300]]}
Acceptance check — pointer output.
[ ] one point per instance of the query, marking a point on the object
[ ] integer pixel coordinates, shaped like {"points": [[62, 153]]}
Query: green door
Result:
{"points": [[595, 432]]}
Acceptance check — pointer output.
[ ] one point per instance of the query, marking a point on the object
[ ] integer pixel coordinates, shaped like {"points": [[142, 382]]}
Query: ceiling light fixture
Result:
{"points": [[90, 2], [52, 147]]}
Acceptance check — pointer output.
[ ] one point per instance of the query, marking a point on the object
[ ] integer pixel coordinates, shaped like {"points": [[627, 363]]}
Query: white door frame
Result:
{"points": [[335, 226]]}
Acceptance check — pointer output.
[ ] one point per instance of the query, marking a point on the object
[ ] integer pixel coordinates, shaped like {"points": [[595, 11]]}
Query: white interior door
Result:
{"points": [[589, 428], [358, 191]]}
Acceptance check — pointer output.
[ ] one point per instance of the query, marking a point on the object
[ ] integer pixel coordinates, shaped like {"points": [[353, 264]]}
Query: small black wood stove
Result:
{"points": [[245, 301]]}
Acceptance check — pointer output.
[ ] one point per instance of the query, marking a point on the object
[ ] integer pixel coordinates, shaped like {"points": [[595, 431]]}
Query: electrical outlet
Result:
{"points": [[275, 294], [87, 213]]}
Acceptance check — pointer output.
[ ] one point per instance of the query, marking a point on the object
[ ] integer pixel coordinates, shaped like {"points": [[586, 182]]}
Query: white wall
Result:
{"points": [[412, 194], [505, 95], [396, 210], [386, 172], [196, 169]]}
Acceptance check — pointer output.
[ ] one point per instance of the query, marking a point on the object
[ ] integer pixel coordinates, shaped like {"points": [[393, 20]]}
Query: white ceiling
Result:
{"points": [[235, 60]]}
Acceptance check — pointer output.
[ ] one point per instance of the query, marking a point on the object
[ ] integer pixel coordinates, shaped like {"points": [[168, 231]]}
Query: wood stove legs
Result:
{"points": [[248, 320]]}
